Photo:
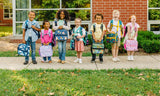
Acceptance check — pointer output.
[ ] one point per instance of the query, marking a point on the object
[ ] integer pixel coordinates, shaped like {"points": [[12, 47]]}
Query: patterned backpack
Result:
{"points": [[46, 51], [113, 37], [61, 34], [23, 50], [97, 48]]}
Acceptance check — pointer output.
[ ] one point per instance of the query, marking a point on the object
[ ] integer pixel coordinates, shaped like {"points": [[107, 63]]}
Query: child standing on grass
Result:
{"points": [[79, 34], [131, 34], [98, 31], [46, 37], [62, 22], [30, 30], [115, 26]]}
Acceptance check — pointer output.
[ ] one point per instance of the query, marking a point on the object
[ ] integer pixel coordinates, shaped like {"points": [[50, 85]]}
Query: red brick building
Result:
{"points": [[126, 8], [5, 16]]}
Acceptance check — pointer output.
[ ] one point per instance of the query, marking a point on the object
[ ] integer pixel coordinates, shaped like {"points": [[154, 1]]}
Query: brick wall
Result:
{"points": [[4, 22], [126, 8]]}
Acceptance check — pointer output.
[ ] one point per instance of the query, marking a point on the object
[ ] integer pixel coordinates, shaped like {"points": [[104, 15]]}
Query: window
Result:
{"points": [[46, 9], [154, 16], [7, 12]]}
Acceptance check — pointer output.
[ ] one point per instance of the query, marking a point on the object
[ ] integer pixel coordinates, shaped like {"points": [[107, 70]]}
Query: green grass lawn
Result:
{"points": [[55, 53], [130, 82], [5, 31]]}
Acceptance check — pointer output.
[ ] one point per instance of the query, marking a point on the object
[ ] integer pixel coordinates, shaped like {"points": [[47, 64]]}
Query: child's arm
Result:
{"points": [[129, 32], [50, 40], [37, 29], [42, 40], [54, 26], [83, 31], [23, 37], [135, 33], [94, 36], [67, 27]]}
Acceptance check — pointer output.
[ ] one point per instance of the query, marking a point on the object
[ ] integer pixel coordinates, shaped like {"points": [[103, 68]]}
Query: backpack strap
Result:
{"points": [[26, 23], [42, 33], [111, 24], [55, 22], [94, 27], [65, 22]]}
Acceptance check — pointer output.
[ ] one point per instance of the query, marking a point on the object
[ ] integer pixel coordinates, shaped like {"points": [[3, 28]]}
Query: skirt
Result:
{"points": [[79, 46]]}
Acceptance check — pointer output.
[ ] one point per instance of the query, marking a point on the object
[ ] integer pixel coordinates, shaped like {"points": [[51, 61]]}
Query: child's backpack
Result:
{"points": [[113, 37], [23, 50], [37, 32], [86, 40], [131, 45], [97, 48], [72, 44], [61, 34], [46, 51], [120, 25], [126, 28], [49, 33]]}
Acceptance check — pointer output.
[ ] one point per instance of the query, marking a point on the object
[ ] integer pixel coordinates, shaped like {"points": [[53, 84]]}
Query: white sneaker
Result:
{"points": [[76, 61], [117, 59], [129, 58], [80, 60], [132, 58], [114, 59]]}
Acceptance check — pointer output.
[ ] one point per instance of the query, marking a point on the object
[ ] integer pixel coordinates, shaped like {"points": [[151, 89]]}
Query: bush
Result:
{"points": [[151, 46]]}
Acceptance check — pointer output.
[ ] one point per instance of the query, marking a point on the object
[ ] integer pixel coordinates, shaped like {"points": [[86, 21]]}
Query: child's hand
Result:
{"points": [[72, 34], [78, 37], [60, 27], [33, 27], [44, 44]]}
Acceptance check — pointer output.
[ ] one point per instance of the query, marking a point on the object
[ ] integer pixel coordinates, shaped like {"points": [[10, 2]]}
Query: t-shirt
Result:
{"points": [[98, 31], [114, 28], [133, 28]]}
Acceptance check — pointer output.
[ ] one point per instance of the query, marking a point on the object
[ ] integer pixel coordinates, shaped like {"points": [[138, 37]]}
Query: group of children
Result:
{"points": [[62, 22]]}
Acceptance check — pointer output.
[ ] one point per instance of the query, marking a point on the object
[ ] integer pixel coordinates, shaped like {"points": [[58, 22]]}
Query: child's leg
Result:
{"points": [[113, 50], [117, 50], [80, 55], [132, 53]]}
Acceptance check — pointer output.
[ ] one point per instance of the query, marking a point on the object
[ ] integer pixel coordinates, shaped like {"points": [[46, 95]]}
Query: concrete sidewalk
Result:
{"points": [[141, 62]]}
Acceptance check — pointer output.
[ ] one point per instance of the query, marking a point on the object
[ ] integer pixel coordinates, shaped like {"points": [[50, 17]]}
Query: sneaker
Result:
{"points": [[76, 61], [132, 58], [63, 62], [25, 63], [80, 60], [59, 61], [50, 61], [114, 59], [117, 59], [93, 61], [34, 62], [129, 58]]}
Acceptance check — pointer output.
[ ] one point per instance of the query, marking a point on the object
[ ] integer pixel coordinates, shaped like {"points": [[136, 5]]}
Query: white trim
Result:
{"points": [[149, 22], [14, 16]]}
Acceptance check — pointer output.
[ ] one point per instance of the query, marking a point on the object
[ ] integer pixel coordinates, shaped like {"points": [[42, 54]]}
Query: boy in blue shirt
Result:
{"points": [[30, 30]]}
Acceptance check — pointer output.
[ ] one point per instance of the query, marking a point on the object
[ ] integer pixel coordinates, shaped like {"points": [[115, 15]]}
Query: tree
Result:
{"points": [[6, 3]]}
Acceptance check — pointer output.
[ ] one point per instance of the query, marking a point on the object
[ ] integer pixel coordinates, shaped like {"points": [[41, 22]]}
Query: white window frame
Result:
{"points": [[149, 22], [89, 22]]}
